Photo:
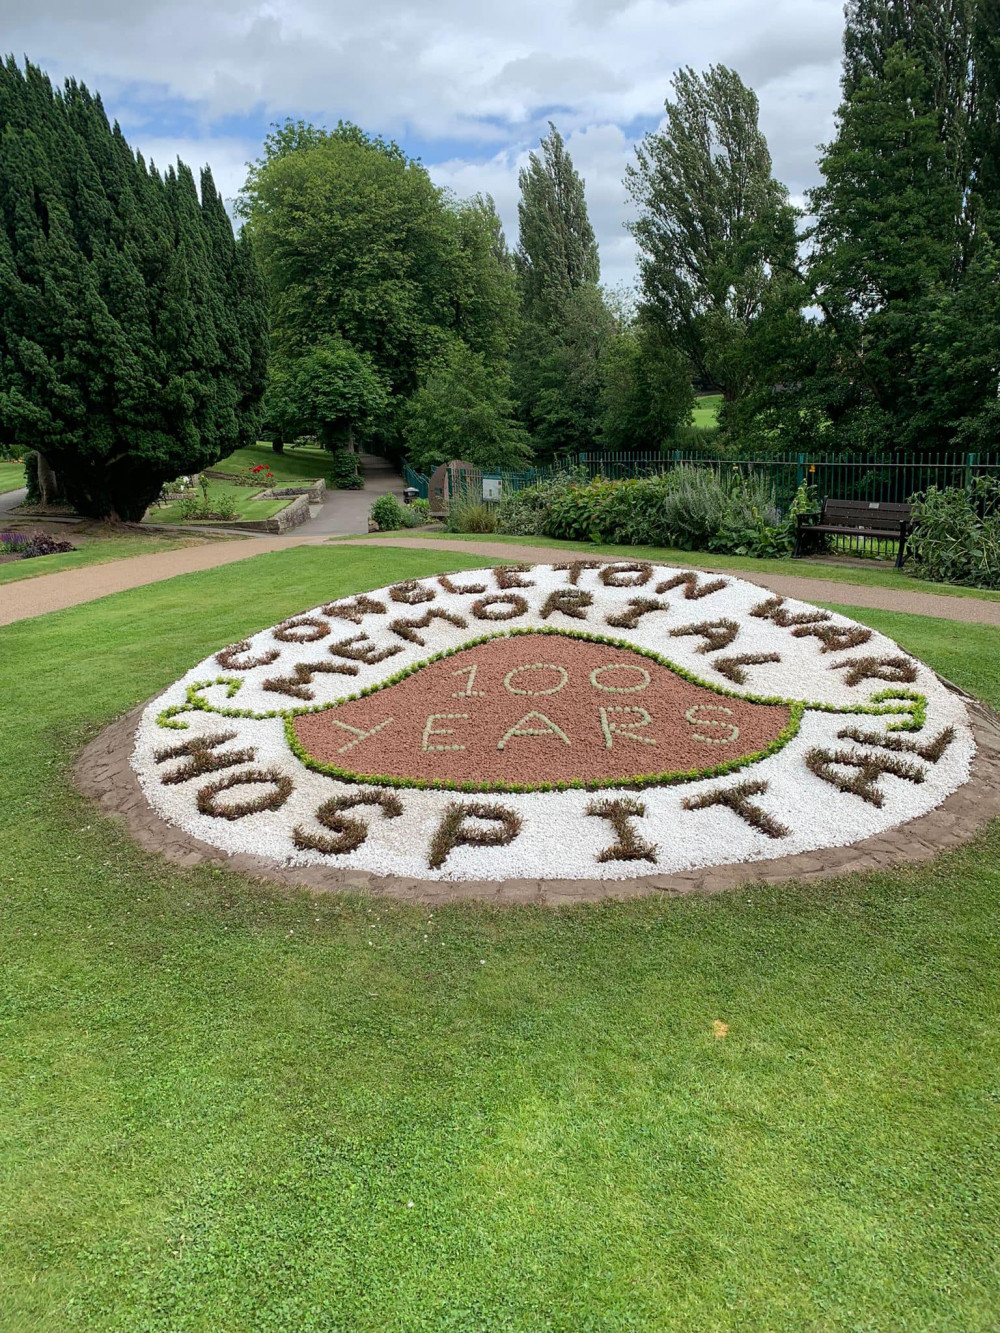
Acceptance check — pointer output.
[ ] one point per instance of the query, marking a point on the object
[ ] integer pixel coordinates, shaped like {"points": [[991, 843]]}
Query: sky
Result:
{"points": [[468, 86]]}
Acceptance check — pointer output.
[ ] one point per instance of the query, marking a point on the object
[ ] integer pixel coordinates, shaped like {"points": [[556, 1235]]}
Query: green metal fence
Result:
{"points": [[889, 478], [416, 479]]}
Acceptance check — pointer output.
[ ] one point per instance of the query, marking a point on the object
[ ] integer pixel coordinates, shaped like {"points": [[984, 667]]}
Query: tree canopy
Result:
{"points": [[715, 229], [358, 245], [557, 250]]}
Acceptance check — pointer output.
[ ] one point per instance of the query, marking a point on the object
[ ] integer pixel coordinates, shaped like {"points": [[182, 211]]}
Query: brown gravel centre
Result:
{"points": [[539, 708]]}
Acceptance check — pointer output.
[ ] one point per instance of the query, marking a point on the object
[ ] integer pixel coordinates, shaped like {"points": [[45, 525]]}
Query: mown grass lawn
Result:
{"points": [[11, 476], [247, 504], [97, 552], [294, 465], [230, 1108], [705, 413]]}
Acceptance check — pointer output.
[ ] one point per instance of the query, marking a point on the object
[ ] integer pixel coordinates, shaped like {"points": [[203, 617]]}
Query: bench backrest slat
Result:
{"points": [[874, 515]]}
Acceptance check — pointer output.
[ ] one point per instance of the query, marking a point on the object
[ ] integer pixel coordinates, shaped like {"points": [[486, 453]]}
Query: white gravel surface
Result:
{"points": [[557, 838]]}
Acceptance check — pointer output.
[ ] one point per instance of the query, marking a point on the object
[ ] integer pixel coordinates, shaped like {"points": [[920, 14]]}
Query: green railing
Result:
{"points": [[416, 479], [888, 478]]}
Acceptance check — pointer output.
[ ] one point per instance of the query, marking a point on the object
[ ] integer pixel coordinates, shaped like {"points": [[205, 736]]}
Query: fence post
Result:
{"points": [[971, 462], [800, 471]]}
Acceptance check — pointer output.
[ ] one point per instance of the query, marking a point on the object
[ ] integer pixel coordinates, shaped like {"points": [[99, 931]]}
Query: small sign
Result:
{"points": [[491, 488]]}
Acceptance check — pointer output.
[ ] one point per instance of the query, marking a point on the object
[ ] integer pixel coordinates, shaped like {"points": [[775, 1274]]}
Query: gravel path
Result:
{"points": [[54, 592]]}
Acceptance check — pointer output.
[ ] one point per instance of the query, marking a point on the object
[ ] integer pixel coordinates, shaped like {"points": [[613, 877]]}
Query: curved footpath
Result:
{"points": [[54, 592]]}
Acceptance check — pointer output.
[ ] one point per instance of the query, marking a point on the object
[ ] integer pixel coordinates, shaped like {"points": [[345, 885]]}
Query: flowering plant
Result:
{"points": [[259, 475]]}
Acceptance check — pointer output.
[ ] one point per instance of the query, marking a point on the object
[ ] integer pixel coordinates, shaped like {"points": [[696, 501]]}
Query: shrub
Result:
{"points": [[213, 506], [525, 513], [34, 495], [259, 475], [39, 543], [421, 509], [691, 508], [345, 472], [957, 537], [389, 513], [471, 516]]}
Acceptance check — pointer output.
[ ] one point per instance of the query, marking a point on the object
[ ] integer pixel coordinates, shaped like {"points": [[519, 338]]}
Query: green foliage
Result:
{"points": [[390, 514], [691, 508], [328, 390], [132, 322], [903, 260], [558, 370], [557, 251], [645, 390], [360, 247], [344, 472], [463, 410], [33, 495], [715, 229], [219, 505], [567, 325], [467, 514], [525, 513], [421, 508], [957, 537]]}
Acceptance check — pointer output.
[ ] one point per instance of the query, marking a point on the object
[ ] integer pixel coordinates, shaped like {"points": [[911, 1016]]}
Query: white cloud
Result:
{"points": [[472, 82]]}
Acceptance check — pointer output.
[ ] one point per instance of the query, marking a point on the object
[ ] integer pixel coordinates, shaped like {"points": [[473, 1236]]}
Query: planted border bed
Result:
{"points": [[591, 720]]}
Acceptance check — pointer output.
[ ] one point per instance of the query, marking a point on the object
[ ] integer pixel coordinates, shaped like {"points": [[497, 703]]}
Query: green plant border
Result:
{"points": [[914, 708]]}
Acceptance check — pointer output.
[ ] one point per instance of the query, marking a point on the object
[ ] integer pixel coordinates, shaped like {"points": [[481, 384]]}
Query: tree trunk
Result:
{"points": [[48, 483]]}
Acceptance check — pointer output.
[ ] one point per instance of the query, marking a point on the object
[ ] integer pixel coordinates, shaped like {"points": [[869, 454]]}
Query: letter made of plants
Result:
{"points": [[552, 723]]}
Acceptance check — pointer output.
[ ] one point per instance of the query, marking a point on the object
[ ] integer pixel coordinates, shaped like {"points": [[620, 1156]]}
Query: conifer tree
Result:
{"points": [[132, 325]]}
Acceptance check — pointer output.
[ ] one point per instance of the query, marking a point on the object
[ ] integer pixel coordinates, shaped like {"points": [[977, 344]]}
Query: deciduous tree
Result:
{"points": [[715, 229]]}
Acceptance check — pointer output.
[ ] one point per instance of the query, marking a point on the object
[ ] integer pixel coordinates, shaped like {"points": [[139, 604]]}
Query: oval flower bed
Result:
{"points": [[592, 719]]}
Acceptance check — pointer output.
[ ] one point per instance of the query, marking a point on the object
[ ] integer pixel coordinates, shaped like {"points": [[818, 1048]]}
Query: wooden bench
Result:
{"points": [[855, 518]]}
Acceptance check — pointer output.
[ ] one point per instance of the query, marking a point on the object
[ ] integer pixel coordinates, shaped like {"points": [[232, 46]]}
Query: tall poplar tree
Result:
{"points": [[557, 250], [566, 325], [715, 230], [132, 322]]}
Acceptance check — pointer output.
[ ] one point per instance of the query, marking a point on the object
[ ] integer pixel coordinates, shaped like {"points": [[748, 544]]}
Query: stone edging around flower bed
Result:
{"points": [[104, 773]]}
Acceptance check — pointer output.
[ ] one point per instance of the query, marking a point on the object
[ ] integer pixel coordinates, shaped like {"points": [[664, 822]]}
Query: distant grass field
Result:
{"points": [[11, 476], [228, 1107], [294, 465], [705, 413]]}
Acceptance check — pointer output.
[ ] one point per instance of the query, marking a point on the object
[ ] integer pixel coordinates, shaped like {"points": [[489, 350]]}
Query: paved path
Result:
{"points": [[54, 592], [11, 499], [347, 511]]}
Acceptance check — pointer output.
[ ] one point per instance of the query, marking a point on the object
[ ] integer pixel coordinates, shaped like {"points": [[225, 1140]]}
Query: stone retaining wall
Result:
{"points": [[290, 517]]}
